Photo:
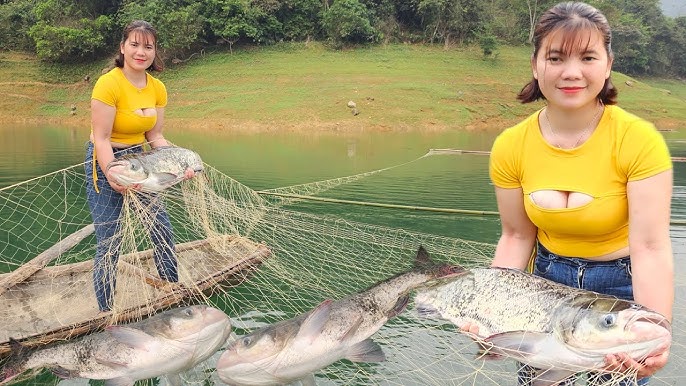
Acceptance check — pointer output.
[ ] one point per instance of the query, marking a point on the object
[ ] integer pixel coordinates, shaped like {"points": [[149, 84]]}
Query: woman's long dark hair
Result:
{"points": [[147, 30], [570, 18]]}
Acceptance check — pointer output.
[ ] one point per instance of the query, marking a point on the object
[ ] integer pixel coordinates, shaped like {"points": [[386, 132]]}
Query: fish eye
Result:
{"points": [[247, 341], [188, 312], [608, 320]]}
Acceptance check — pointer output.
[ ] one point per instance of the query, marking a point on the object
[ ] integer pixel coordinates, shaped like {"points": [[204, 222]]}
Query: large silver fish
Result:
{"points": [[156, 169], [294, 349], [552, 327], [164, 344]]}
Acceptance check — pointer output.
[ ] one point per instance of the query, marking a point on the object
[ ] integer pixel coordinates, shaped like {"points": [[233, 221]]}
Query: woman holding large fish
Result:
{"points": [[127, 111], [583, 182]]}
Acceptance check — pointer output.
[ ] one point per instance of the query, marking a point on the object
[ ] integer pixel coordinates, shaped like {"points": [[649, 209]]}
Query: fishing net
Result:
{"points": [[261, 257]]}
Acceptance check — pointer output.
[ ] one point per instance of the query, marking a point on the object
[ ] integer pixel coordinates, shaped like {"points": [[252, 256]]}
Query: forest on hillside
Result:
{"points": [[645, 41]]}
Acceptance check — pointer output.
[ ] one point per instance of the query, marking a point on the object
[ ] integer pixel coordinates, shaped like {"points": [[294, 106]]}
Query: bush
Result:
{"points": [[16, 18], [348, 21], [64, 44]]}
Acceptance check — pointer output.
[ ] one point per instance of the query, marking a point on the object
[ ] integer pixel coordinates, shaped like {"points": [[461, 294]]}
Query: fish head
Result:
{"points": [[607, 325], [200, 328], [128, 170], [258, 346]]}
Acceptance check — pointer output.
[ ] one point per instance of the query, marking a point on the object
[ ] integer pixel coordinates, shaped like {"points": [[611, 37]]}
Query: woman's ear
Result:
{"points": [[533, 67]]}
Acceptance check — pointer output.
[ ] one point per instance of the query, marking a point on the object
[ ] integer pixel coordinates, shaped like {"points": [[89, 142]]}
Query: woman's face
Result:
{"points": [[572, 73], [138, 50]]}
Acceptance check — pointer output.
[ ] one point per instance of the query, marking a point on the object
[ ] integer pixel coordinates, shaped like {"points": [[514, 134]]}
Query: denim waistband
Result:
{"points": [[541, 250]]}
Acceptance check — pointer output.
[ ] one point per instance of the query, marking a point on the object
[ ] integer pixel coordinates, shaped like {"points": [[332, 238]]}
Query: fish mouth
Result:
{"points": [[651, 318]]}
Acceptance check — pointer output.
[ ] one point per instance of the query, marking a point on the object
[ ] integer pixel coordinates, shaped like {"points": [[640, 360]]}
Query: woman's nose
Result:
{"points": [[572, 70]]}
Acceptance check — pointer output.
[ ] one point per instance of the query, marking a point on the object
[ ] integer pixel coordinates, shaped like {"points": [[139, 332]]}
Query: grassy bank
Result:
{"points": [[307, 87]]}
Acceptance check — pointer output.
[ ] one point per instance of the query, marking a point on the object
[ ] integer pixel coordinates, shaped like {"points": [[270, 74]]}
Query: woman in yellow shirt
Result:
{"points": [[127, 111], [584, 182]]}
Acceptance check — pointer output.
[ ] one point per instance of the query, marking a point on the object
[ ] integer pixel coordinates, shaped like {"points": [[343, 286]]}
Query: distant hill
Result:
{"points": [[673, 8]]}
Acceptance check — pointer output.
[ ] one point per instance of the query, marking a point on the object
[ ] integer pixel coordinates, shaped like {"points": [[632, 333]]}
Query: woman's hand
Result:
{"points": [[623, 363], [120, 188], [190, 173], [470, 328]]}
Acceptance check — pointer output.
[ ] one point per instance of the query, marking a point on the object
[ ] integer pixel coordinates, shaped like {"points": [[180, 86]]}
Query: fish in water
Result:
{"points": [[294, 349], [556, 329], [156, 169], [167, 344]]}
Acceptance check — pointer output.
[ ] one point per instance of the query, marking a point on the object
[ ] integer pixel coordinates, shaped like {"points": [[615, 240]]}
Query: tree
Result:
{"points": [[347, 21], [179, 23], [63, 33]]}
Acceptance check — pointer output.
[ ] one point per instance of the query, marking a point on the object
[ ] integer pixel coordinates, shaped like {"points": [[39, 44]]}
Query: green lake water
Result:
{"points": [[272, 160]]}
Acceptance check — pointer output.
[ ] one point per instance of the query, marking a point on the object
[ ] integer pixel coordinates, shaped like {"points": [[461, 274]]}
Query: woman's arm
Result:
{"points": [[155, 136], [650, 247], [102, 120], [518, 232], [652, 262]]}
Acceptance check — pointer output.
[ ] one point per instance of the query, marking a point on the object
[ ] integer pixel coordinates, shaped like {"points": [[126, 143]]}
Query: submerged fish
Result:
{"points": [[294, 349], [156, 169], [555, 328], [164, 344]]}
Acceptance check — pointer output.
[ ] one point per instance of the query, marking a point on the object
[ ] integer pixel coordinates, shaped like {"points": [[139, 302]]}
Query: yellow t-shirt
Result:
{"points": [[115, 90], [623, 148]]}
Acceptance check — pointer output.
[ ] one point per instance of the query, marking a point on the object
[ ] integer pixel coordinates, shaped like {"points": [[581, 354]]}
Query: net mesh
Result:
{"points": [[252, 255]]}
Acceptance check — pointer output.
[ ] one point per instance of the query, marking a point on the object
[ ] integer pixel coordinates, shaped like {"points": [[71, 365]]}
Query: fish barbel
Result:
{"points": [[156, 169], [555, 328], [167, 343], [294, 349]]}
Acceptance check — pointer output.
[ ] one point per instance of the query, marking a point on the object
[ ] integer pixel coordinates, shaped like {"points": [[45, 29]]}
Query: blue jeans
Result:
{"points": [[105, 208], [605, 277]]}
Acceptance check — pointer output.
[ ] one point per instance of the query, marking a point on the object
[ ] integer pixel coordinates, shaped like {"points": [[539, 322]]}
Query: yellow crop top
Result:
{"points": [[622, 148], [115, 90]]}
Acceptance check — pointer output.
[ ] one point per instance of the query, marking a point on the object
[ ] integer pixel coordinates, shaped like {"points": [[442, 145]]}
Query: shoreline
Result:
{"points": [[343, 126]]}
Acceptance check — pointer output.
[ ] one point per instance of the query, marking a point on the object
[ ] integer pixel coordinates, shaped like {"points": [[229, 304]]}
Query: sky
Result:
{"points": [[674, 8]]}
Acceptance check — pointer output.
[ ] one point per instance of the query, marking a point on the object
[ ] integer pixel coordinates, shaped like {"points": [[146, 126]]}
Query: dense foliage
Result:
{"points": [[644, 40]]}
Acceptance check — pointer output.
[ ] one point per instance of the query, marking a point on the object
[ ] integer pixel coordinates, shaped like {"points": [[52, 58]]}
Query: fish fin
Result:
{"points": [[427, 311], [121, 381], [549, 377], [399, 306], [308, 380], [167, 179], [174, 379], [130, 336], [62, 373], [365, 351], [486, 351], [313, 325], [518, 344], [110, 363], [353, 328], [423, 258]]}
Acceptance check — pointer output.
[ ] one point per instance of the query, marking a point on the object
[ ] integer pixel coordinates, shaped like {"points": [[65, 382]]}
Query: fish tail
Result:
{"points": [[423, 261], [12, 366]]}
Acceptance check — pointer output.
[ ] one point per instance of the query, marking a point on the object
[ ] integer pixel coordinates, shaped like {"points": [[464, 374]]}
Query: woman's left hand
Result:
{"points": [[624, 363]]}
